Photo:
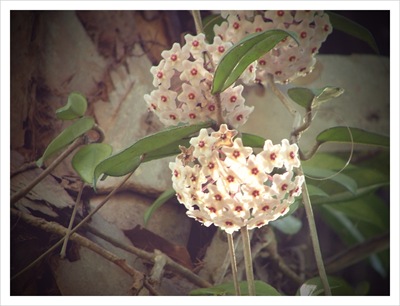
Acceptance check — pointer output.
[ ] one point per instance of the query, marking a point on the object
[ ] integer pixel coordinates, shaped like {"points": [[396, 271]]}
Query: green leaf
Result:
{"points": [[314, 191], [76, 107], [358, 136], [288, 225], [129, 159], [262, 289], [88, 157], [253, 141], [164, 197], [352, 28], [313, 287], [348, 196], [307, 97], [242, 54], [208, 26], [339, 178], [67, 136]]}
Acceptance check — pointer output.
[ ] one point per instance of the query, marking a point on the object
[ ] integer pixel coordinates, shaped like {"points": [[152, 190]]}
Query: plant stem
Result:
{"points": [[197, 21], [248, 261], [233, 263], [280, 96], [314, 236], [19, 195], [84, 220], [71, 221]]}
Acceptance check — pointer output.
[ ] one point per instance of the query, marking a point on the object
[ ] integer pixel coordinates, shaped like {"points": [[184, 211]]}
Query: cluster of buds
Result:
{"points": [[288, 60], [183, 79], [222, 182]]}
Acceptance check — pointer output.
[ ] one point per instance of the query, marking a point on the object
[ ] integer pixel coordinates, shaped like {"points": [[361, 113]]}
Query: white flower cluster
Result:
{"points": [[183, 79], [221, 182], [287, 61]]}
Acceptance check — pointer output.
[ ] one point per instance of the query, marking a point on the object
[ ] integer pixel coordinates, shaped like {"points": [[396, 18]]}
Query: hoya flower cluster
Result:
{"points": [[222, 182], [183, 79], [287, 60]]}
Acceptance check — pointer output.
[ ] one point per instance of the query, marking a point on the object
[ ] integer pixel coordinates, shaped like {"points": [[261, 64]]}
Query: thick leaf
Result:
{"points": [[129, 159], [339, 178], [208, 26], [242, 54], [253, 141], [348, 196], [164, 197], [313, 287], [307, 97], [329, 161], [288, 225], [352, 28], [88, 157], [314, 191], [67, 136], [358, 136], [76, 107], [262, 289]]}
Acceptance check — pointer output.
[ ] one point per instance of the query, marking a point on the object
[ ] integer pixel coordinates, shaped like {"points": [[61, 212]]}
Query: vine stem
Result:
{"points": [[84, 220], [280, 96], [71, 221], [233, 263], [19, 195], [248, 261], [314, 236]]}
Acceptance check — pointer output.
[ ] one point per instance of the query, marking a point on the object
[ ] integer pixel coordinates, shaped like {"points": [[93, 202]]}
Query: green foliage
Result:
{"points": [[262, 289], [130, 158], [208, 26], [67, 136], [253, 141], [352, 28], [313, 287], [88, 157], [308, 98], [288, 225], [164, 197], [75, 108], [242, 54], [353, 135]]}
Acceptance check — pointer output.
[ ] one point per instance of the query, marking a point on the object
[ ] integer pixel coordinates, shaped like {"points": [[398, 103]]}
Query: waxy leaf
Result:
{"points": [[208, 26], [307, 97], [352, 28], [129, 159], [262, 289], [164, 197], [314, 287], [88, 157], [358, 136], [242, 54], [253, 141], [75, 108], [67, 136], [288, 225], [340, 178]]}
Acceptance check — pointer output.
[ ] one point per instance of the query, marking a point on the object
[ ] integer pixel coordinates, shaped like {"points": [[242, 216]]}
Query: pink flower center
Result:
{"points": [[233, 99], [173, 117], [284, 187], [254, 171], [255, 193], [193, 71], [192, 116], [218, 197], [239, 117], [174, 57], [221, 49], [238, 208], [201, 144], [265, 208], [211, 165], [303, 34], [195, 43], [258, 29], [191, 96], [292, 58], [280, 13], [272, 156], [230, 178], [236, 154], [236, 25], [163, 99], [211, 108], [262, 62], [326, 28], [160, 75], [292, 156]]}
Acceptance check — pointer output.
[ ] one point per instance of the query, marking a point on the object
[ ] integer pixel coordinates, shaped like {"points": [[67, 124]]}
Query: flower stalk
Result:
{"points": [[248, 261]]}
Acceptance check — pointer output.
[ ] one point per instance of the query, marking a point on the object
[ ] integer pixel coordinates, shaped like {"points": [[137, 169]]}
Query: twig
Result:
{"points": [[19, 195], [233, 263], [23, 168], [54, 227], [197, 21], [248, 261], [58, 243], [171, 264], [71, 221], [357, 253]]}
